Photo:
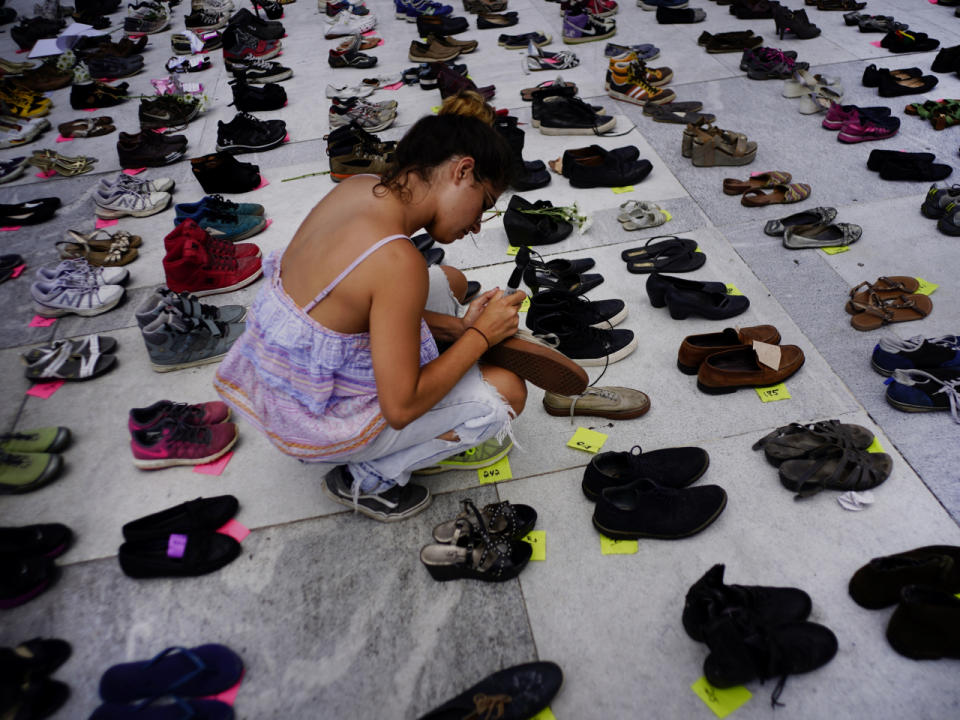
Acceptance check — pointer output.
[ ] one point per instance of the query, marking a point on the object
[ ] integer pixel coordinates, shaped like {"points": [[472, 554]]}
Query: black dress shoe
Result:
{"points": [[178, 554], [9, 263], [645, 509], [35, 657], [28, 213], [200, 514], [603, 169], [657, 286], [49, 540], [249, 98], [525, 228], [675, 467], [440, 25]]}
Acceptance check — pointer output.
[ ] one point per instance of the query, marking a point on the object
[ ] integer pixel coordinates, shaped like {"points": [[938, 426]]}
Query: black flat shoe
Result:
{"points": [[200, 514], [49, 540], [28, 213], [668, 467], [683, 303], [657, 286], [644, 509], [178, 554]]}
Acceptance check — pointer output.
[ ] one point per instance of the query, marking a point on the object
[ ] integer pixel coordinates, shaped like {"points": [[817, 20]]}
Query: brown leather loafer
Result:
{"points": [[696, 348], [726, 372]]}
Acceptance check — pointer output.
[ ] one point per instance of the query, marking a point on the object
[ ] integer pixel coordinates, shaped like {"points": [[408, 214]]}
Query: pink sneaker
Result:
{"points": [[177, 443], [149, 418], [861, 130], [839, 115]]}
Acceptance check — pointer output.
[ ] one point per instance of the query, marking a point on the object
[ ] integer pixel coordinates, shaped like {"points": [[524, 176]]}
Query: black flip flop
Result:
{"points": [[672, 260], [651, 248]]}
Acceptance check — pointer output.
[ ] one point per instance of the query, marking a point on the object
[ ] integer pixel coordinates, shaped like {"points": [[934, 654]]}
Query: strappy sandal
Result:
{"points": [[87, 127], [61, 363], [903, 308], [710, 146], [800, 237], [655, 246], [480, 556], [501, 520], [796, 441], [814, 216], [835, 468], [779, 194], [732, 186], [655, 217], [537, 59], [885, 287], [120, 237], [98, 254], [84, 346], [527, 93], [48, 160]]}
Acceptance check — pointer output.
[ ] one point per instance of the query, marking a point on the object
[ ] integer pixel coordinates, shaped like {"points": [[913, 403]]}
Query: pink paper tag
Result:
{"points": [[286, 138], [213, 468], [268, 223], [238, 531], [17, 271], [41, 321], [549, 61], [161, 130], [10, 228], [20, 52], [46, 174], [876, 43], [933, 2], [395, 86], [90, 109], [228, 696], [133, 171], [380, 43], [135, 36], [101, 223], [368, 33], [263, 183], [107, 80], [61, 138], [176, 545], [45, 389]]}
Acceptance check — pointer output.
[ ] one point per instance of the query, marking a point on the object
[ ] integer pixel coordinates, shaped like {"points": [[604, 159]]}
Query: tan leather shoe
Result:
{"points": [[728, 371], [614, 403], [696, 348]]}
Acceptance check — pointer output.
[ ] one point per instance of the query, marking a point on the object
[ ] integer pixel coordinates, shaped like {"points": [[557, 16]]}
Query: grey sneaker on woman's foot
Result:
{"points": [[397, 503]]}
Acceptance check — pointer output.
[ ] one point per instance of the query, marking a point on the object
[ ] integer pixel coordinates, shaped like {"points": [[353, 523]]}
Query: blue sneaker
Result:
{"points": [[223, 225], [936, 353], [221, 204], [416, 8], [925, 391]]}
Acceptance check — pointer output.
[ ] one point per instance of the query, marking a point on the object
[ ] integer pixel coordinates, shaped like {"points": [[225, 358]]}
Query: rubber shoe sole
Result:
{"points": [[161, 463], [625, 415], [193, 363], [539, 364]]}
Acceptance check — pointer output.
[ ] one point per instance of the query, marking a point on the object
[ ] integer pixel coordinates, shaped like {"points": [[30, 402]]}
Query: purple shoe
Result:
{"points": [[863, 129], [586, 28]]}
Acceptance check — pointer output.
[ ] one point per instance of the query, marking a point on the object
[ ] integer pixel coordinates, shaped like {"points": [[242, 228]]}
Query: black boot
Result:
{"points": [[526, 175]]}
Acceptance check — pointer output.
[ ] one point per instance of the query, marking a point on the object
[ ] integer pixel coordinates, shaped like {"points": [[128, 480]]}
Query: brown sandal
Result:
{"points": [[794, 192], [885, 287], [98, 253], [732, 186], [901, 308], [709, 146]]}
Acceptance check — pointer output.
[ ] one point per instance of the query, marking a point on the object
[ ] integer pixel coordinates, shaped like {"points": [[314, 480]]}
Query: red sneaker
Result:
{"points": [[215, 246], [177, 443], [150, 418], [191, 267]]}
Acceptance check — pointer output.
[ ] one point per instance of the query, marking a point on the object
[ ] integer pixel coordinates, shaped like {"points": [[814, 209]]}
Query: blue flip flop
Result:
{"points": [[180, 709], [195, 672]]}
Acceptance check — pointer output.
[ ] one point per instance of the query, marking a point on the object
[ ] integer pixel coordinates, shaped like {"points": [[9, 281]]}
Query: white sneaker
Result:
{"points": [[84, 273], [349, 24], [66, 295], [18, 131], [136, 183], [345, 92], [122, 201]]}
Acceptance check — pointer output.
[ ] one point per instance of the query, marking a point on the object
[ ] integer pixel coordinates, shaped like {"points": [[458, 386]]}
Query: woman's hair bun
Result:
{"points": [[468, 103]]}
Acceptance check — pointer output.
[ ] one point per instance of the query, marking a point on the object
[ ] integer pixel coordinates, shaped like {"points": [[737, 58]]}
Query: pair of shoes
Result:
{"points": [[10, 264], [922, 583], [223, 219], [481, 544], [794, 22], [168, 434], [594, 166], [334, 7], [246, 21], [31, 692], [754, 632], [514, 693], [526, 175], [354, 151], [52, 162], [371, 116], [196, 43], [560, 115], [398, 502], [185, 305], [778, 182], [678, 113], [940, 204], [257, 70], [248, 98], [241, 45], [724, 42], [536, 223], [146, 18], [346, 23], [200, 264], [245, 134], [646, 495], [644, 51], [11, 169], [813, 228], [861, 124], [76, 287], [732, 359], [767, 63], [893, 83], [941, 113], [559, 274], [657, 4], [684, 298], [661, 253], [583, 333], [600, 314], [674, 16], [888, 300], [181, 541], [483, 455], [598, 8], [537, 60], [87, 127], [628, 78], [188, 64], [30, 459], [641, 215], [439, 48], [126, 195], [349, 55], [221, 172], [169, 110], [22, 102], [903, 41], [149, 148], [873, 23], [708, 146], [486, 21], [894, 165], [84, 96]]}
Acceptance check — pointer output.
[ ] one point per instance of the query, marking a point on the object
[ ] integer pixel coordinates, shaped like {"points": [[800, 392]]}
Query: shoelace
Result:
{"points": [[895, 344], [950, 388]]}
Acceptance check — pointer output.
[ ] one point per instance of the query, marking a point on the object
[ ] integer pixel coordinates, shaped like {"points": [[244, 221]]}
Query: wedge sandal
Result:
{"points": [[709, 146], [796, 441], [799, 237], [885, 287], [835, 468], [879, 312], [779, 194], [814, 216], [732, 186], [501, 519]]}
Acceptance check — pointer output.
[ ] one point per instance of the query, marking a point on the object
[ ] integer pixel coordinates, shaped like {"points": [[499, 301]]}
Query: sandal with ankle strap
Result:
{"points": [[732, 186], [120, 237], [779, 194], [796, 441], [501, 520], [835, 468], [878, 312], [885, 287], [480, 556]]}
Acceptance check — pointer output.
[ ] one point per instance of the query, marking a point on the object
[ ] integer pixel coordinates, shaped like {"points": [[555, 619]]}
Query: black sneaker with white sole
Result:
{"points": [[601, 314], [587, 346], [256, 70], [397, 503], [245, 133]]}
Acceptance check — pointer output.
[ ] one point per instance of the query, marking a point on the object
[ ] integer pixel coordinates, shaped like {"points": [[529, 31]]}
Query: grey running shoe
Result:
{"points": [[121, 201], [84, 272], [397, 503], [72, 294], [175, 341], [187, 305], [145, 185]]}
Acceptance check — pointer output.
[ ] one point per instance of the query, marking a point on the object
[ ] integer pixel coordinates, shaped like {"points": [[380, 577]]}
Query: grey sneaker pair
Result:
{"points": [[120, 200], [144, 185], [397, 503], [175, 341], [188, 306]]}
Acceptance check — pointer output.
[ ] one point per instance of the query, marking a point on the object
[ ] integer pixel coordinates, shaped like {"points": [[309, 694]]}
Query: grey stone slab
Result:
{"points": [[614, 622], [381, 636]]}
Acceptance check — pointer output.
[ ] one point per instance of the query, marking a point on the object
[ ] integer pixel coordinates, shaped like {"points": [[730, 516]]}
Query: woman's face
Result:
{"points": [[464, 200]]}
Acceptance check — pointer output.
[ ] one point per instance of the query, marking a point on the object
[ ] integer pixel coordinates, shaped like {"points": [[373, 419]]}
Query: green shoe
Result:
{"points": [[38, 440], [20, 473], [483, 455]]}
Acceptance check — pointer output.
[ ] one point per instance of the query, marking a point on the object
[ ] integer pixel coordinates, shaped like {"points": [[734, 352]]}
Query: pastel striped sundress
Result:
{"points": [[309, 389]]}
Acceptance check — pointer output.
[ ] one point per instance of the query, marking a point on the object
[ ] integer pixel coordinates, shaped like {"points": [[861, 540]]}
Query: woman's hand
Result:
{"points": [[499, 315]]}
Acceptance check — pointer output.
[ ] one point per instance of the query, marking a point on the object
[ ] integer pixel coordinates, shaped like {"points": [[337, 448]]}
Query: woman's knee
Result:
{"points": [[511, 386], [457, 282]]}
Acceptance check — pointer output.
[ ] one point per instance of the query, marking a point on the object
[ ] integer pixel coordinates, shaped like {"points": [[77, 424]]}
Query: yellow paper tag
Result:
{"points": [[835, 250], [500, 470], [773, 393], [957, 595], [733, 289], [587, 440], [512, 249], [875, 446], [722, 702], [435, 109], [609, 546], [667, 215], [537, 538], [622, 190], [697, 249], [525, 305], [545, 714], [926, 287]]}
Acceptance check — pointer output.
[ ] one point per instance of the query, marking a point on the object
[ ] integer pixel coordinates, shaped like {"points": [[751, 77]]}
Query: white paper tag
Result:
{"points": [[767, 354]]}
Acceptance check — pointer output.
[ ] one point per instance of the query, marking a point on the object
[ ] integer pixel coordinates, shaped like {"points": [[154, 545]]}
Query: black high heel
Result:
{"points": [[794, 21], [272, 9]]}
